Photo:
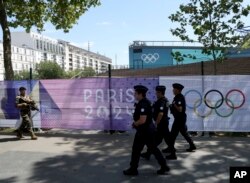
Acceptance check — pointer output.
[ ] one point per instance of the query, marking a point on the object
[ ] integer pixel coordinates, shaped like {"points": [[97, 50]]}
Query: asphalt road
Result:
{"points": [[77, 156]]}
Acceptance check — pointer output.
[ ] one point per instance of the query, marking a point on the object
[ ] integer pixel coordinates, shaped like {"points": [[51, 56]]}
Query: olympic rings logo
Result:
{"points": [[217, 104], [147, 58]]}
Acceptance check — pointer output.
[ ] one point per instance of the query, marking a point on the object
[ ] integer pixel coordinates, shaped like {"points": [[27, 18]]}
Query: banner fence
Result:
{"points": [[214, 103]]}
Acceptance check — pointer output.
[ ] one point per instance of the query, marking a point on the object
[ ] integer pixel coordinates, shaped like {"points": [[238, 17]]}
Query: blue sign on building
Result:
{"points": [[144, 54]]}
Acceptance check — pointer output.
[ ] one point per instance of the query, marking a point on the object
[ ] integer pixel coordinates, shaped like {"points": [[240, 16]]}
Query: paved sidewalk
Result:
{"points": [[91, 157]]}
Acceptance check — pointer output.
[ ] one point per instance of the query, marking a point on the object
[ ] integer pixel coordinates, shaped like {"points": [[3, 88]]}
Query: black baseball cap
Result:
{"points": [[178, 86], [160, 88], [22, 88], [141, 89]]}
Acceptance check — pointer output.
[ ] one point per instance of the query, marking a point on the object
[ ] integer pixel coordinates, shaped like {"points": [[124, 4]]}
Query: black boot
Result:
{"points": [[163, 170], [172, 156], [191, 148], [145, 156], [131, 172]]}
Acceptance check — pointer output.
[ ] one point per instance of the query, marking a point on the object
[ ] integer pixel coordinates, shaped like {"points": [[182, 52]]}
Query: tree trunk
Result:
{"points": [[215, 63], [9, 73]]}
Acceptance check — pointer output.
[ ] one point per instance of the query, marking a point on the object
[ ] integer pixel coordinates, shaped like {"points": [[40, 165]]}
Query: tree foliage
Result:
{"points": [[246, 42], [63, 14], [213, 22], [49, 70], [22, 75], [80, 73]]}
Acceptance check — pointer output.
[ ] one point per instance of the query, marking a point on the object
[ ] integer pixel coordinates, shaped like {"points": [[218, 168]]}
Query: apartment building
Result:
{"points": [[29, 49]]}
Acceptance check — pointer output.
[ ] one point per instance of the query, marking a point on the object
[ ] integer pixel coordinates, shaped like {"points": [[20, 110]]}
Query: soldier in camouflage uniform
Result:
{"points": [[23, 103]]}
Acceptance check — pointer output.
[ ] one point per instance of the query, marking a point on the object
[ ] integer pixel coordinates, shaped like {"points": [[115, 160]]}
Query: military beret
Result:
{"points": [[141, 88], [178, 86], [160, 88], [22, 88]]}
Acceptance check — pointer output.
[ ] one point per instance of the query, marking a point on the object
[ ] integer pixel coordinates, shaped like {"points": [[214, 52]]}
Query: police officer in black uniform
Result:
{"points": [[160, 116], [178, 109], [145, 133]]}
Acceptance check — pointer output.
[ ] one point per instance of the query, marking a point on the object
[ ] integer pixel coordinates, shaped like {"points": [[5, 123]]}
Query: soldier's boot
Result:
{"points": [[163, 170], [19, 134], [131, 172], [33, 136]]}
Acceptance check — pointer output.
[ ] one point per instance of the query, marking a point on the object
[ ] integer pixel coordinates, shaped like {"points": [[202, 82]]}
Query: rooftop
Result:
{"points": [[165, 43]]}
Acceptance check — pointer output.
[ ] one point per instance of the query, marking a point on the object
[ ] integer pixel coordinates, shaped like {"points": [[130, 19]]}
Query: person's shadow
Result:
{"points": [[10, 139]]}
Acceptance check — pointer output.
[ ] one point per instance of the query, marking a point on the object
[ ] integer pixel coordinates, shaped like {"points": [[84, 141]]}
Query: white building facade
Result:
{"points": [[23, 58], [29, 49]]}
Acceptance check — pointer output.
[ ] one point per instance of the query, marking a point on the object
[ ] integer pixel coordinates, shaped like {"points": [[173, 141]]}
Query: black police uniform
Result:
{"points": [[179, 124], [145, 135], [161, 105]]}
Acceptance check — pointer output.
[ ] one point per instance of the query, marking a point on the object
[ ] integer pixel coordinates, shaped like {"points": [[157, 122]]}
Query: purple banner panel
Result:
{"points": [[91, 104], [123, 100]]}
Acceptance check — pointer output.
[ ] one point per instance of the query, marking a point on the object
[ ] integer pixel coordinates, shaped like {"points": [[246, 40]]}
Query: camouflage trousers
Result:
{"points": [[26, 124]]}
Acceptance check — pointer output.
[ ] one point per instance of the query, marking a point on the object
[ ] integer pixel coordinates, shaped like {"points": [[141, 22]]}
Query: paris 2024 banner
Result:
{"points": [[92, 104], [214, 103]]}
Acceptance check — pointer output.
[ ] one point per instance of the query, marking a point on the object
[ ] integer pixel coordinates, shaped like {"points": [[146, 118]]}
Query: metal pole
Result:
{"points": [[111, 131], [203, 90]]}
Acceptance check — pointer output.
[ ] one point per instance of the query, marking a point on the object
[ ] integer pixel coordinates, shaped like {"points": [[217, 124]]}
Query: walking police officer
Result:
{"points": [[160, 116], [178, 109], [145, 133], [22, 103]]}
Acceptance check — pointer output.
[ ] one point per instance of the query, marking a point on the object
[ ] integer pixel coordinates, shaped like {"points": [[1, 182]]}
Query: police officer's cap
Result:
{"points": [[160, 88], [178, 86], [141, 88], [22, 88]]}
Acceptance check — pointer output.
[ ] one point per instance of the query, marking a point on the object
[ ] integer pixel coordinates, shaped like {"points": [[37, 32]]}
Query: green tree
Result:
{"points": [[49, 70], [24, 75], [80, 73], [246, 42], [214, 23], [33, 13]]}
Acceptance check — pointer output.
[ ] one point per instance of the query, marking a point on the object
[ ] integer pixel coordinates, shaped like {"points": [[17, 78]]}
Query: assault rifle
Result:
{"points": [[31, 104]]}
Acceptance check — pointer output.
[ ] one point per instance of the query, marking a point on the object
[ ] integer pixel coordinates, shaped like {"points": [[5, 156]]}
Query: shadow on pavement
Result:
{"points": [[11, 139], [102, 157], [9, 180]]}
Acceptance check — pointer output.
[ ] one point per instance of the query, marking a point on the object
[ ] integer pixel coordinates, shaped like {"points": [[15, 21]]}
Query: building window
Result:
{"points": [[37, 44], [54, 48], [41, 45], [44, 46]]}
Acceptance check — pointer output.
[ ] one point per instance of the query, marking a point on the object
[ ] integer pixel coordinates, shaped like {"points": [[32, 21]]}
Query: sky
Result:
{"points": [[111, 27]]}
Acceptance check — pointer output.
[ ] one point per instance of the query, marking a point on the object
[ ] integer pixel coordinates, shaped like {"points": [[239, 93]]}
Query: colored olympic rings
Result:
{"points": [[199, 100], [196, 109], [243, 102], [225, 115], [218, 103]]}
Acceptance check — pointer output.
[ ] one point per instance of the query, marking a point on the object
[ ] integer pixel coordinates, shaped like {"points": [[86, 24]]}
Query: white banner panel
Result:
{"points": [[214, 103]]}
